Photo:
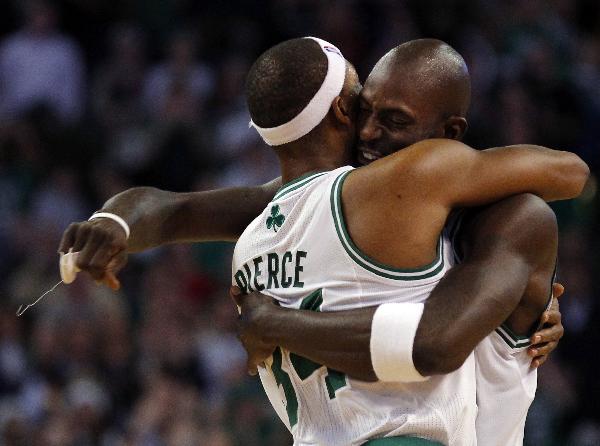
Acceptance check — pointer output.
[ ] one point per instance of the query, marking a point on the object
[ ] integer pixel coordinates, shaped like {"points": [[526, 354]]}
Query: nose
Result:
{"points": [[369, 130]]}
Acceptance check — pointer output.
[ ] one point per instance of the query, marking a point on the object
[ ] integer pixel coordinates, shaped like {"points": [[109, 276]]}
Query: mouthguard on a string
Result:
{"points": [[68, 267], [68, 273]]}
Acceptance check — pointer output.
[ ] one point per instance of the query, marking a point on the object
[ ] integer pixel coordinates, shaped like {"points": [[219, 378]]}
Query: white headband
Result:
{"points": [[318, 106]]}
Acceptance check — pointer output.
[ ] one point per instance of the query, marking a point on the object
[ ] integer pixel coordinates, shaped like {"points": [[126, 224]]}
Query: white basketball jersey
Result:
{"points": [[298, 251], [506, 386]]}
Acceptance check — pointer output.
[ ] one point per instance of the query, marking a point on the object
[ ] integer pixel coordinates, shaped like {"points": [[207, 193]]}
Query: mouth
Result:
{"points": [[366, 156]]}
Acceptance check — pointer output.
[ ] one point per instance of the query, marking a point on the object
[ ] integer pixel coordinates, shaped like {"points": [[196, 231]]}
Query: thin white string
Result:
{"points": [[22, 310]]}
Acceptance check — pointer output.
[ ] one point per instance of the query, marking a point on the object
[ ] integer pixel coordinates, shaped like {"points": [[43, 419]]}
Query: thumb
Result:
{"points": [[111, 281]]}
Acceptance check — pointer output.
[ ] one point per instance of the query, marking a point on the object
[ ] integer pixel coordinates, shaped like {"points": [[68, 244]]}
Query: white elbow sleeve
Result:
{"points": [[393, 333]]}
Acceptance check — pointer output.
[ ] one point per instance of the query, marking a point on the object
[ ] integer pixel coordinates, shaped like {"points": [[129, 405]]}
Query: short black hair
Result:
{"points": [[283, 80]]}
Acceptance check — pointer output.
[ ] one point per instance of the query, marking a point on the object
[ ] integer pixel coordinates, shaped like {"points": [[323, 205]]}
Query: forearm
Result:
{"points": [[157, 217], [553, 174], [338, 340]]}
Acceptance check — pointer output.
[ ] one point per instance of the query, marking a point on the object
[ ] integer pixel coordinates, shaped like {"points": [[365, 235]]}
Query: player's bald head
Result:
{"points": [[434, 70], [418, 90]]}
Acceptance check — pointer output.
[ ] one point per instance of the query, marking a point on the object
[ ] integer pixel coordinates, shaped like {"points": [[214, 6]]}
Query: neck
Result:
{"points": [[297, 160]]}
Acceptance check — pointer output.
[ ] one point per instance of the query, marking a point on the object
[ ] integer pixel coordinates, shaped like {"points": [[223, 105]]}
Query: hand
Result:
{"points": [[102, 247], [256, 310], [544, 341]]}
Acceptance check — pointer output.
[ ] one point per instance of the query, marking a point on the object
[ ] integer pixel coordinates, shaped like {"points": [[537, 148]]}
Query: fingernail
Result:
{"points": [[534, 352], [235, 291], [536, 339]]}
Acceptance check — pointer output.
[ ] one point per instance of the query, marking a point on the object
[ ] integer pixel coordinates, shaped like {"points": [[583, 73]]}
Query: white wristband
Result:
{"points": [[393, 333], [113, 217]]}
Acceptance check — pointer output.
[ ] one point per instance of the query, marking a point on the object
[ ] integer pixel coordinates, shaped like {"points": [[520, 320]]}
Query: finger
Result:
{"points": [[551, 317], [111, 281], [99, 264], [116, 263], [68, 238], [554, 333], [82, 237], [546, 349], [537, 362], [95, 255], [557, 290]]}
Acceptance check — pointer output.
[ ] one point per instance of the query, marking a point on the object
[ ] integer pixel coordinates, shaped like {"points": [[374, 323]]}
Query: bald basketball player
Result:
{"points": [[369, 151]]}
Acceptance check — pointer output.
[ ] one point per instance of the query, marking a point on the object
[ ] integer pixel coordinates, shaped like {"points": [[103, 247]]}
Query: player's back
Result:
{"points": [[299, 252]]}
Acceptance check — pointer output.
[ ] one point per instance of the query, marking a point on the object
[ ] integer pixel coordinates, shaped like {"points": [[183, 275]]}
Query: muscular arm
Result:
{"points": [[510, 247], [414, 190], [510, 252], [477, 177]]}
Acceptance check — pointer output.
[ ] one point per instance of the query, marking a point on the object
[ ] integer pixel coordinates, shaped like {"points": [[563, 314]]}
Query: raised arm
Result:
{"points": [[156, 217], [510, 254]]}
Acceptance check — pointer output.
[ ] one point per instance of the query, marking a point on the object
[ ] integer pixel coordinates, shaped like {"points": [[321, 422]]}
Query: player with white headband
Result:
{"points": [[293, 253], [319, 105]]}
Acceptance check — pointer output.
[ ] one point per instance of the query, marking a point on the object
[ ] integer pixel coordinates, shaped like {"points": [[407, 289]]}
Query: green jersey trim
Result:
{"points": [[295, 184], [365, 261], [511, 338]]}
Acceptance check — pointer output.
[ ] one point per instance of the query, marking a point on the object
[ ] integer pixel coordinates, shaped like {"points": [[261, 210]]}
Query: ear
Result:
{"points": [[341, 111], [455, 127]]}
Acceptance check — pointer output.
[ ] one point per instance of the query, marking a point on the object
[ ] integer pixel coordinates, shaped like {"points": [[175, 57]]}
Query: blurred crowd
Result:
{"points": [[97, 96]]}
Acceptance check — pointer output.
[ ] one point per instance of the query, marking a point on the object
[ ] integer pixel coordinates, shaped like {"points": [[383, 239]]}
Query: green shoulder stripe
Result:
{"points": [[365, 261], [295, 184]]}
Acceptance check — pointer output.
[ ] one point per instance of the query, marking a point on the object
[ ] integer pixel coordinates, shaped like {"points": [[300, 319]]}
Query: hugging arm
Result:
{"points": [[478, 177], [156, 217], [510, 250], [507, 249]]}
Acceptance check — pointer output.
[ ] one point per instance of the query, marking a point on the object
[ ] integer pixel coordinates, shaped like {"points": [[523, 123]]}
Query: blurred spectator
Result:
{"points": [[118, 86], [39, 66], [177, 88]]}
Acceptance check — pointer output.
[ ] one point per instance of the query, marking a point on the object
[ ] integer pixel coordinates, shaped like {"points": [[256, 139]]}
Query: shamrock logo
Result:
{"points": [[276, 219]]}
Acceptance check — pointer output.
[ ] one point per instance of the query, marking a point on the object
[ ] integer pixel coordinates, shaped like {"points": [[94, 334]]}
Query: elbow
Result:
{"points": [[575, 176], [438, 359]]}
